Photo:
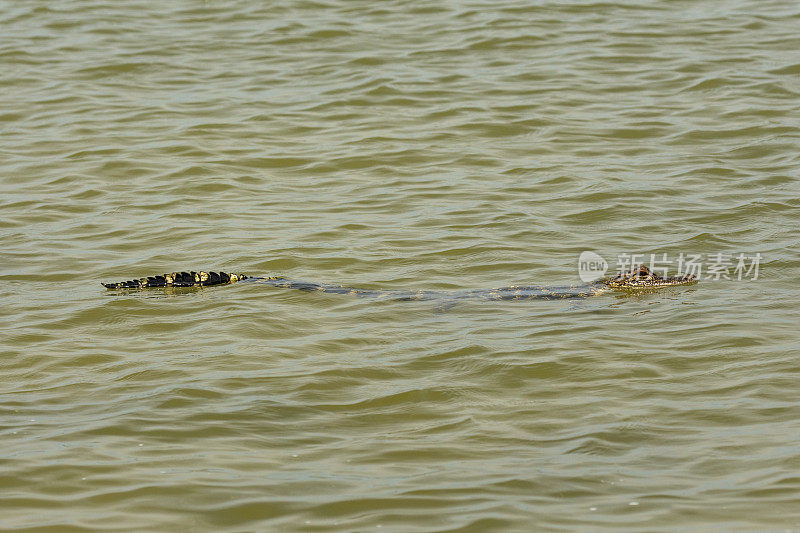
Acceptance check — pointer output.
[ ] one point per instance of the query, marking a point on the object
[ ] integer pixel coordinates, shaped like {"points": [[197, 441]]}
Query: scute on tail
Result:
{"points": [[178, 279]]}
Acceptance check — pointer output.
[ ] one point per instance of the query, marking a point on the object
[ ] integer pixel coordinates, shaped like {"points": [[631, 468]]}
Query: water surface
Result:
{"points": [[402, 145]]}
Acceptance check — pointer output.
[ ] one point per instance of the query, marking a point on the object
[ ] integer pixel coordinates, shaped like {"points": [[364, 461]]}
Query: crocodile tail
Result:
{"points": [[178, 279]]}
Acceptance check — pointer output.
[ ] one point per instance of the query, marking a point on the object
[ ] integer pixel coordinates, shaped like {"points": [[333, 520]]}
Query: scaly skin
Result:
{"points": [[638, 279], [178, 279], [643, 278]]}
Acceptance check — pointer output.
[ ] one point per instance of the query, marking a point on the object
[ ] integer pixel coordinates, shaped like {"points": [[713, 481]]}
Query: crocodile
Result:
{"points": [[637, 279]]}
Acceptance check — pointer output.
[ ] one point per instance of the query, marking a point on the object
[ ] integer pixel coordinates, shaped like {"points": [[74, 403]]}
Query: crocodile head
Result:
{"points": [[642, 277]]}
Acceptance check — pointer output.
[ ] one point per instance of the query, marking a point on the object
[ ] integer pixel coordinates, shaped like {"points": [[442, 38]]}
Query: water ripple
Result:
{"points": [[405, 146]]}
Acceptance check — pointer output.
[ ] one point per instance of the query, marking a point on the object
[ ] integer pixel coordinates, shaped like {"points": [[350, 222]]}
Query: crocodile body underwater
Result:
{"points": [[638, 279]]}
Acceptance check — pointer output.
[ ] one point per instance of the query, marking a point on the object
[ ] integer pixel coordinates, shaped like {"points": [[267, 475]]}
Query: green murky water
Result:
{"points": [[406, 145]]}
